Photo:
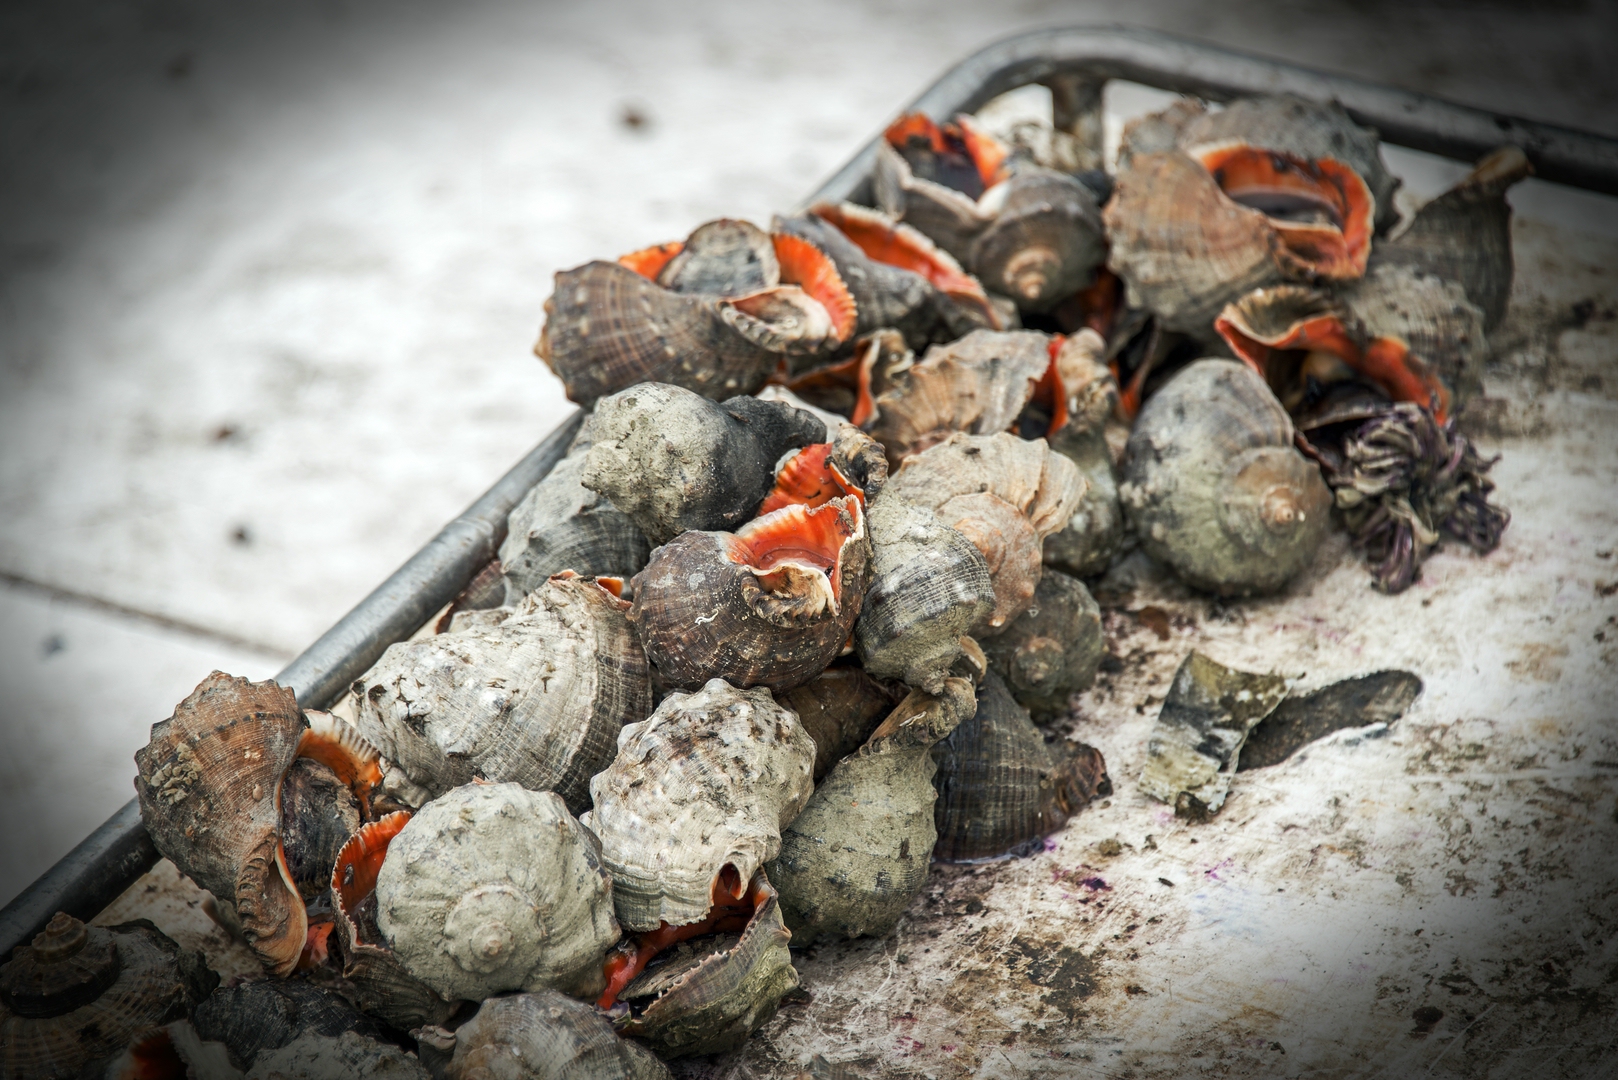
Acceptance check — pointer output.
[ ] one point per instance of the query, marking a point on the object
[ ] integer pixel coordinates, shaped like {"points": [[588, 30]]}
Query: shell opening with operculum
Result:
{"points": [[897, 244], [1321, 209]]}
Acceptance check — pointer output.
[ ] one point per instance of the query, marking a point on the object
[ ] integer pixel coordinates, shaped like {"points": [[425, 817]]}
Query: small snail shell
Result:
{"points": [[546, 1036], [1053, 648], [1213, 486], [493, 887]]}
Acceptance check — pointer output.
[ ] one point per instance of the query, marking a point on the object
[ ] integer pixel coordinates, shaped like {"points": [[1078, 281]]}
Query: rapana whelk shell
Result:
{"points": [[537, 699], [79, 995], [977, 384], [929, 586], [318, 815], [839, 708], [1044, 240], [209, 789], [1094, 534], [950, 218], [708, 780], [253, 1017], [493, 887], [673, 461], [343, 1057], [1001, 790], [1431, 318], [854, 859], [1006, 495], [1053, 648], [546, 1036], [1213, 485], [724, 257]]}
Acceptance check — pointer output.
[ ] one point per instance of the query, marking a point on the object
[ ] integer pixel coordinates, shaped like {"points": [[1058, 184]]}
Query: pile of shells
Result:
{"points": [[782, 627]]}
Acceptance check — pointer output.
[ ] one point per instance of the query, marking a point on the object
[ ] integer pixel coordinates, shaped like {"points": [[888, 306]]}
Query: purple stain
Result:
{"points": [[1095, 884], [948, 1048], [1050, 843], [1213, 871]]}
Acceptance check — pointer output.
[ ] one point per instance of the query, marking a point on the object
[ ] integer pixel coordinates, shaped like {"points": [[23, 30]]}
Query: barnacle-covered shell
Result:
{"points": [[1053, 648], [1001, 790], [266, 1014], [707, 781], [839, 708], [673, 461], [1213, 486], [707, 1000], [546, 1036], [79, 995], [537, 699], [349, 1056], [1006, 495], [854, 859], [929, 586], [768, 605], [1044, 240], [209, 788], [493, 887], [1464, 235], [977, 384]]}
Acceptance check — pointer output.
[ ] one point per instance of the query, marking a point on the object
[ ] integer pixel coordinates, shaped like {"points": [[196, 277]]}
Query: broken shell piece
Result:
{"points": [[543, 1036], [493, 887], [266, 1014], [209, 788], [854, 859], [1366, 700], [705, 783], [1004, 494], [1200, 730], [1213, 485], [839, 708], [537, 699], [1053, 648], [1001, 790], [768, 605], [709, 996], [80, 995], [929, 587], [673, 461], [344, 1057]]}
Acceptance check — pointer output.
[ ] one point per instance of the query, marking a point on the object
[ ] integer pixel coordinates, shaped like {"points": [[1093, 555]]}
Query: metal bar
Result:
{"points": [[113, 857], [1404, 117]]}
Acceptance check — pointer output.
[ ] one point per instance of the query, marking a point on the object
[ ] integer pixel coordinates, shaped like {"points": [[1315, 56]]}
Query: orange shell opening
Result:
{"points": [[810, 478], [1049, 393], [897, 244], [316, 945], [1339, 252], [987, 153], [851, 373], [649, 262], [354, 876], [916, 125], [153, 1058], [345, 752], [782, 545], [809, 268]]}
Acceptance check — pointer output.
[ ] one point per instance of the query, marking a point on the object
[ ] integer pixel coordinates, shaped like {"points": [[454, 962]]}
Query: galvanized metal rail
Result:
{"points": [[1079, 61]]}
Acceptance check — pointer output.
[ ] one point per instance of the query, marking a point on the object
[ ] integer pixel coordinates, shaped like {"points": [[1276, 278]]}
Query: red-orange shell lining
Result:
{"points": [[354, 876], [901, 246], [809, 268], [987, 154], [342, 750], [798, 535], [811, 479], [649, 262]]}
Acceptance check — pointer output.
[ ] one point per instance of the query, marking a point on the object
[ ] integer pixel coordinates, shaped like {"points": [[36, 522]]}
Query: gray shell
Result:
{"points": [[724, 257], [673, 461], [710, 778], [851, 863], [1044, 241], [951, 219], [256, 1017], [1053, 648], [1429, 314], [537, 699], [1213, 485], [546, 1036], [929, 586], [349, 1056], [493, 887], [1086, 545]]}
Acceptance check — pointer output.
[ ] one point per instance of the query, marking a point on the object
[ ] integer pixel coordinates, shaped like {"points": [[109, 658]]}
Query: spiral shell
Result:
{"points": [[1006, 495], [1213, 486], [546, 1036], [209, 789], [706, 782], [839, 708], [493, 887], [929, 586], [537, 699], [725, 257], [1001, 790], [79, 995], [854, 859], [341, 1057], [254, 1017], [1053, 648], [1044, 240]]}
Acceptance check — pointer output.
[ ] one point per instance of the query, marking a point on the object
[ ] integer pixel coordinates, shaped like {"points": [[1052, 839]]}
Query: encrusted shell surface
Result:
{"points": [[854, 859], [673, 461], [252, 1017], [769, 605], [1044, 241], [839, 708], [1004, 494], [708, 780], [1430, 319], [1213, 485], [493, 887], [349, 1056], [209, 789], [1053, 648], [546, 1036], [537, 699], [1001, 790], [79, 995], [929, 586]]}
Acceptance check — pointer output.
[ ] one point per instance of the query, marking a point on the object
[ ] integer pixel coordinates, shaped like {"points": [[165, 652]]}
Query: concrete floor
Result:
{"points": [[269, 277]]}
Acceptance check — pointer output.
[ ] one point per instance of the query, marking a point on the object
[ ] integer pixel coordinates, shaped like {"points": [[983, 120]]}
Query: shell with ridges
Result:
{"points": [[1044, 241], [545, 1035], [253, 1017], [1429, 320], [1095, 533], [839, 708], [493, 887], [341, 1057], [708, 780], [1053, 648]]}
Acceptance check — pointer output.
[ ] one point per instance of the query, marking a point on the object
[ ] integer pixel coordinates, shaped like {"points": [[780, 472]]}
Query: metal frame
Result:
{"points": [[1077, 62]]}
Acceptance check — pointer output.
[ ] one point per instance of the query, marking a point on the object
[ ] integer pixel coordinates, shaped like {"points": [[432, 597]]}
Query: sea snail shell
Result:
{"points": [[545, 1035]]}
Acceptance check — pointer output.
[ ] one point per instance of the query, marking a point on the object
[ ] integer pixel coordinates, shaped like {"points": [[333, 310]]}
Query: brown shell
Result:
{"points": [[80, 994], [209, 789], [318, 814], [1053, 648], [1213, 485], [266, 1014], [1001, 790], [1094, 534], [839, 708], [1045, 239], [544, 1035], [725, 257], [850, 386], [1430, 327], [769, 605]]}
